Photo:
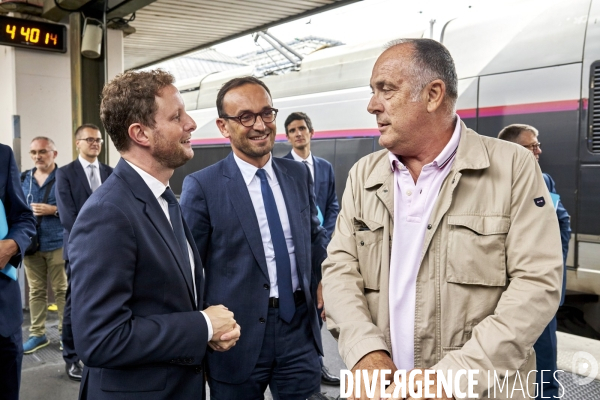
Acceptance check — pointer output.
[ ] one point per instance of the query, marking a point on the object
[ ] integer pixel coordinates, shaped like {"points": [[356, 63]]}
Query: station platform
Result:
{"points": [[44, 377]]}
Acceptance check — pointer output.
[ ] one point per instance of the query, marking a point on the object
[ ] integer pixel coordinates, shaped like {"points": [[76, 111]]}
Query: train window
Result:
{"points": [[594, 109]]}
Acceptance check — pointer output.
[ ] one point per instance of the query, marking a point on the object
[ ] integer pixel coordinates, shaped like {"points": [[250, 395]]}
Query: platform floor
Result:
{"points": [[44, 377]]}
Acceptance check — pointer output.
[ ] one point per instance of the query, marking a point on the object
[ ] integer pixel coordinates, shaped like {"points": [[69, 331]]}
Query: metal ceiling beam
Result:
{"points": [[263, 27], [127, 7]]}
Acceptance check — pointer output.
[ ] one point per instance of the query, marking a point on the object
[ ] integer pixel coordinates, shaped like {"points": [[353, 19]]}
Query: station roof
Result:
{"points": [[171, 28]]}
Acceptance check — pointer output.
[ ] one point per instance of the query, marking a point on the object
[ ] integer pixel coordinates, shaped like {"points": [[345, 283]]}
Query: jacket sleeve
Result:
{"points": [[332, 207], [195, 213], [503, 341], [348, 317], [20, 219], [67, 210], [103, 282]]}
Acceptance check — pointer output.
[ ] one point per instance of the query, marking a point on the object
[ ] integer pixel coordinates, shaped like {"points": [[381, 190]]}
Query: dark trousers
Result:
{"points": [[288, 363], [69, 354], [545, 357], [11, 358]]}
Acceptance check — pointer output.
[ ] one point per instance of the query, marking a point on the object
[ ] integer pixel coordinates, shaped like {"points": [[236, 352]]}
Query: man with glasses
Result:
{"points": [[46, 261], [545, 347], [75, 183], [254, 220]]}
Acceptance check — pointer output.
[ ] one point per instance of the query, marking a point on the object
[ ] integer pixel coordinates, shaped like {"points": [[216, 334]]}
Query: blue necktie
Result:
{"points": [[176, 222], [287, 307]]}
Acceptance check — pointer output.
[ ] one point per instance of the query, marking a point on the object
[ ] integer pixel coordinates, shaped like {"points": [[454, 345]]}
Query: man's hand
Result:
{"points": [[419, 386], [8, 248], [225, 330], [375, 360], [321, 302], [41, 209]]}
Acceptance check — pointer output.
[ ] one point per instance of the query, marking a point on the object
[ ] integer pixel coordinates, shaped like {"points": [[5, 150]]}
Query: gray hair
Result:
{"points": [[50, 141], [431, 61]]}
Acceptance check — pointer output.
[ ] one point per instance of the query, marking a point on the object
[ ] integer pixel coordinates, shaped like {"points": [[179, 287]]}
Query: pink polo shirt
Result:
{"points": [[413, 204]]}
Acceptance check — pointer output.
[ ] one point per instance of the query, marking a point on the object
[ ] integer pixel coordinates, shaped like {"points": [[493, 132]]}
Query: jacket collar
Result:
{"points": [[471, 154]]}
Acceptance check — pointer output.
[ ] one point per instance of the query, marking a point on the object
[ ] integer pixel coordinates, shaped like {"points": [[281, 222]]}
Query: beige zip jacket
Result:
{"points": [[490, 275]]}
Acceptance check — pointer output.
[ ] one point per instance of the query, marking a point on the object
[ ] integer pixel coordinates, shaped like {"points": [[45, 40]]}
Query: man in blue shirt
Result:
{"points": [[47, 261], [545, 347]]}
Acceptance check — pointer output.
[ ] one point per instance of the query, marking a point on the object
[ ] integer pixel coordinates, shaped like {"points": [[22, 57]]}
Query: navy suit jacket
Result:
{"points": [[324, 192], [21, 227], [217, 207], [136, 326], [72, 191]]}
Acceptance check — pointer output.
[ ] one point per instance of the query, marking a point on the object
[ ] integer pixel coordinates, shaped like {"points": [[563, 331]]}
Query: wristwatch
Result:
{"points": [[56, 212]]}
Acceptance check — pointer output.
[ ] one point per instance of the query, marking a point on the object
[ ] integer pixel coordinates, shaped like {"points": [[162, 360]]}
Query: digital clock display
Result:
{"points": [[33, 34]]}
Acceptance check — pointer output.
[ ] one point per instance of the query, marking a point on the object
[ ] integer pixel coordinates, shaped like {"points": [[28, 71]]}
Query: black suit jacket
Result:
{"points": [[72, 191], [136, 326], [324, 192], [217, 207], [21, 227]]}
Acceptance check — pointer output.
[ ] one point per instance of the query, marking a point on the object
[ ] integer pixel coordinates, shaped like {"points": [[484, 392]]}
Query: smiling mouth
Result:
{"points": [[186, 141], [261, 137]]}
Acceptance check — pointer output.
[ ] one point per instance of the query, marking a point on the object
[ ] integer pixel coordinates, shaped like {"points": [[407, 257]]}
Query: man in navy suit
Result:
{"points": [[21, 227], [75, 183], [299, 132], [136, 276], [255, 222]]}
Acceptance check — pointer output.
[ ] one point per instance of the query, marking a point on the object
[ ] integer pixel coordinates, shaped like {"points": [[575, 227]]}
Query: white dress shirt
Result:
{"points": [[157, 189], [253, 183], [88, 171], [309, 160]]}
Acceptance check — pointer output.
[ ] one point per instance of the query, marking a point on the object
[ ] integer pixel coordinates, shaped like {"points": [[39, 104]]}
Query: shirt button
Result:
{"points": [[408, 192], [429, 226], [261, 320], [362, 243], [266, 286]]}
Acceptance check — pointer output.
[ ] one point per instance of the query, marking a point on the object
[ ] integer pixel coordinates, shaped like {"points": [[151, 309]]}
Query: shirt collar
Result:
{"points": [[249, 171], [443, 158], [85, 163], [156, 186], [309, 160]]}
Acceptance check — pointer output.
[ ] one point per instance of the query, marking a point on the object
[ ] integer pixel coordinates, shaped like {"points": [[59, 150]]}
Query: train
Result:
{"points": [[534, 62]]}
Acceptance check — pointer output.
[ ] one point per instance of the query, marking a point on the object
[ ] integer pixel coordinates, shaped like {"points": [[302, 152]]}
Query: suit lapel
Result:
{"points": [[157, 217], [83, 181], [103, 173], [242, 203], [287, 183]]}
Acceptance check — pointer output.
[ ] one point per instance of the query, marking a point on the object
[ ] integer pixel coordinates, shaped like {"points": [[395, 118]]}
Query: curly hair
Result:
{"points": [[130, 98]]}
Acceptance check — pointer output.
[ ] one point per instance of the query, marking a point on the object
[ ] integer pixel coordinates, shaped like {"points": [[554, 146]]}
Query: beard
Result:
{"points": [[252, 150], [170, 154]]}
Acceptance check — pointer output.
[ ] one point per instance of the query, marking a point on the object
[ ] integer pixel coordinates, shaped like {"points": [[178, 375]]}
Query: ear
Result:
{"points": [[138, 135], [311, 134], [436, 92], [223, 128]]}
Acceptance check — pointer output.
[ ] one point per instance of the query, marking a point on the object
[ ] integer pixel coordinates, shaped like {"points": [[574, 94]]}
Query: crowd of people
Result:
{"points": [[446, 253]]}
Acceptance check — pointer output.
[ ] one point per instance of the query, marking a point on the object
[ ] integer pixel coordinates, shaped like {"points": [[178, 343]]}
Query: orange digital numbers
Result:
{"points": [[35, 35], [25, 32], [51, 37], [11, 31]]}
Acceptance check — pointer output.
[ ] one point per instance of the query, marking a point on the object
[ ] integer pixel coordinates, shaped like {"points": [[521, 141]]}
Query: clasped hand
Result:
{"points": [[226, 331]]}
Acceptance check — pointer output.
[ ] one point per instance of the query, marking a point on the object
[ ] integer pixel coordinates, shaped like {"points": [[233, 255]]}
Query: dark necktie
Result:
{"points": [[287, 307], [177, 223]]}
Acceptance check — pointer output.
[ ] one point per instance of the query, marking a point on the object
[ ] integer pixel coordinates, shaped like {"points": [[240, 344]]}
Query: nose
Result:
{"points": [[259, 126], [191, 125], [374, 106]]}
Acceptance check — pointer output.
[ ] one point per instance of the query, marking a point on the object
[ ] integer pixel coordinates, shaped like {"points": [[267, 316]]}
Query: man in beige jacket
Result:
{"points": [[446, 254]]}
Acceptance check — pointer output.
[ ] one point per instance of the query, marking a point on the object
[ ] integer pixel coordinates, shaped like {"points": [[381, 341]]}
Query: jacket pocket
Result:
{"points": [[476, 253], [133, 379], [369, 236]]}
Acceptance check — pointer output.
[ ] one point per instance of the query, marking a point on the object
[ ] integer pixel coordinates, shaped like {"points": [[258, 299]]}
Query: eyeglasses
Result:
{"points": [[534, 146], [248, 118], [92, 140], [40, 152]]}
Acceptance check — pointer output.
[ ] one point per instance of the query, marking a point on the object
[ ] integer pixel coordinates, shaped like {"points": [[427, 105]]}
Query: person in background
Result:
{"points": [[546, 346], [255, 222], [47, 262], [75, 183], [20, 226], [299, 132], [137, 282], [446, 252]]}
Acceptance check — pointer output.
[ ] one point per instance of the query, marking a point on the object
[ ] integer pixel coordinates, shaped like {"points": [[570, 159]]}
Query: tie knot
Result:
{"points": [[262, 175], [169, 196], [305, 162], [92, 166]]}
